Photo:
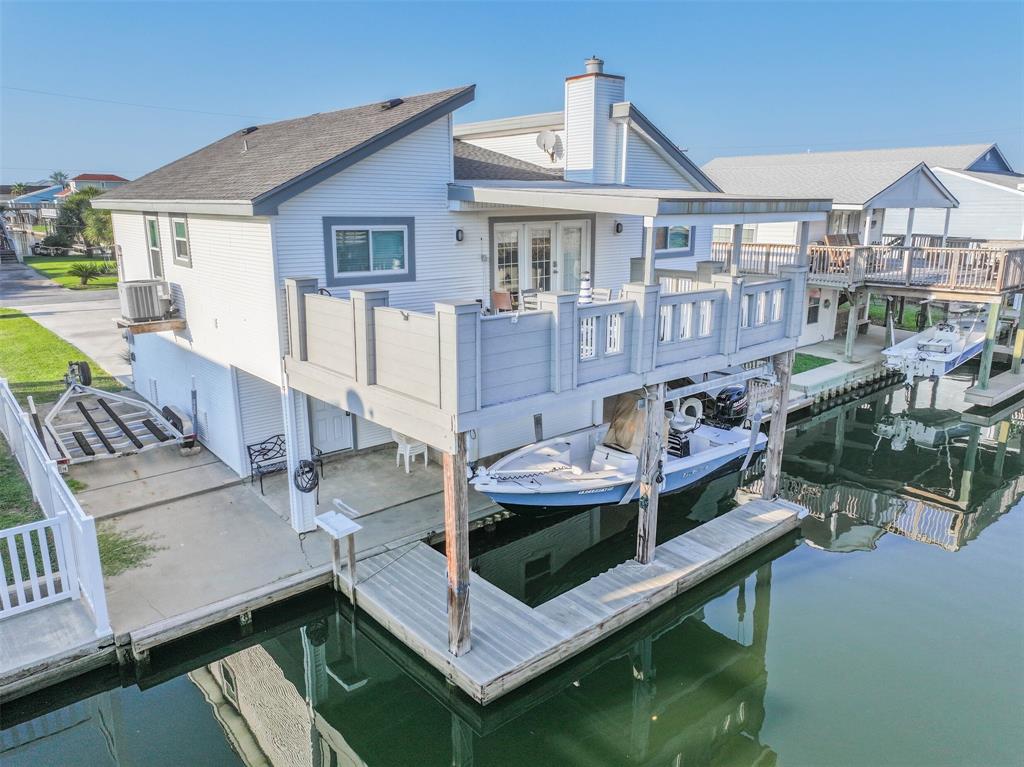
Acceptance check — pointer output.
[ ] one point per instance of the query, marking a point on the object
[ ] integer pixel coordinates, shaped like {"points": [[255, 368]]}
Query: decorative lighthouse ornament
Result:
{"points": [[586, 295]]}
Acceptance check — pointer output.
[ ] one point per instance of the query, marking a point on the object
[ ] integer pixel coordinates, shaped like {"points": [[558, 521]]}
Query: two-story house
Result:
{"points": [[333, 274]]}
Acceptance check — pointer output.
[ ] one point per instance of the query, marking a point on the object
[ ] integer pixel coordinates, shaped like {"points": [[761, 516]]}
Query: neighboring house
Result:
{"points": [[863, 185], [36, 207], [6, 191], [102, 181], [410, 224], [990, 192]]}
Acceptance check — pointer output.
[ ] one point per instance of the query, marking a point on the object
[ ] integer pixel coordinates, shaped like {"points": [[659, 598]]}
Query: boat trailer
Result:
{"points": [[88, 424]]}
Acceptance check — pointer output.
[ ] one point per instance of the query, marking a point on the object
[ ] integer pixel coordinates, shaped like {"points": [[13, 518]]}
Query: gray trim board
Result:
{"points": [[266, 203], [492, 255], [368, 279]]}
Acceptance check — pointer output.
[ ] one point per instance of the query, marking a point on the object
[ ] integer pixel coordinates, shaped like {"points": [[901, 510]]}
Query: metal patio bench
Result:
{"points": [[271, 456]]}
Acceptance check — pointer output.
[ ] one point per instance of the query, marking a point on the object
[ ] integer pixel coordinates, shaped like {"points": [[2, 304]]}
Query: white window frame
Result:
{"points": [[813, 302], [761, 308], [613, 340], [686, 321], [668, 234], [369, 229], [174, 219], [156, 250], [777, 297], [705, 322]]}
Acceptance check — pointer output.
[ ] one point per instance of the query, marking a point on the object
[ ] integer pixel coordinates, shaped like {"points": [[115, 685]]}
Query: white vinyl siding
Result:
{"points": [[986, 211], [161, 358], [646, 167], [259, 407], [523, 146]]}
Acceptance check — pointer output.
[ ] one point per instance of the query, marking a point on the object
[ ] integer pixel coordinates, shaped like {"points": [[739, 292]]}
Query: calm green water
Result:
{"points": [[889, 634]]}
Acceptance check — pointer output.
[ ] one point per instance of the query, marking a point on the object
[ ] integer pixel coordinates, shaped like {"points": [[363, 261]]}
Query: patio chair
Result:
{"points": [[501, 301], [604, 295], [529, 300], [409, 449]]}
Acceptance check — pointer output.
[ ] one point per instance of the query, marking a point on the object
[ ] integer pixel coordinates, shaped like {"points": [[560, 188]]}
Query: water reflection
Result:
{"points": [[688, 684], [887, 464]]}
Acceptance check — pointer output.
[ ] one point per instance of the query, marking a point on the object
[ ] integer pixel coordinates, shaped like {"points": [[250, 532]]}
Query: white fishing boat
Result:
{"points": [[600, 465], [934, 352]]}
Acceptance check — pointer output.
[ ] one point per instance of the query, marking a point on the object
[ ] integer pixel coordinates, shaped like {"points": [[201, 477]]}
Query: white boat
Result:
{"points": [[934, 352], [599, 465]]}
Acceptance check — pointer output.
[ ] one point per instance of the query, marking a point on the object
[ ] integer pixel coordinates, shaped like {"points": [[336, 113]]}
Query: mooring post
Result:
{"points": [[783, 365], [991, 326], [651, 475], [456, 545]]}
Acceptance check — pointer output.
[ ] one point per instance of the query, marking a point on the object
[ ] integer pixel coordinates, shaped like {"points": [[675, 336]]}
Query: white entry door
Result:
{"points": [[332, 426]]}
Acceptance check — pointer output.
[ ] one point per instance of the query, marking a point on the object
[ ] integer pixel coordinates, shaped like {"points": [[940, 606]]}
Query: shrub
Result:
{"points": [[57, 240], [85, 272]]}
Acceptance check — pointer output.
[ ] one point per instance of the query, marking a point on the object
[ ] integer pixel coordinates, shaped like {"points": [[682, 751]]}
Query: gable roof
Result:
{"points": [[277, 160], [1013, 181], [849, 178], [477, 163], [98, 177]]}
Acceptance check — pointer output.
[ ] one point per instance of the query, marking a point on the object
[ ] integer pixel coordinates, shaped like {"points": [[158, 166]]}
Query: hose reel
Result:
{"points": [[306, 478]]}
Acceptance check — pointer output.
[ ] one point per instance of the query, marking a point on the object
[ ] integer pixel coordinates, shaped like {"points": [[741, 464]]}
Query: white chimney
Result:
{"points": [[591, 137]]}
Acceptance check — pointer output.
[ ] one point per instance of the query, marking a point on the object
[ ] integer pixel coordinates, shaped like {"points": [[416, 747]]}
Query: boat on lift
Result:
{"points": [[600, 465], [935, 351]]}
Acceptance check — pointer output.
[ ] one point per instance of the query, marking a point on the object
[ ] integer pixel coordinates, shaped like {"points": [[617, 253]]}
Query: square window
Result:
{"points": [[369, 250], [813, 308], [672, 238]]}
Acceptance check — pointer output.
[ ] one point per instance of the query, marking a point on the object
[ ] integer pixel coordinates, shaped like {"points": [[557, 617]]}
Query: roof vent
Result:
{"points": [[391, 103], [250, 129], [594, 65]]}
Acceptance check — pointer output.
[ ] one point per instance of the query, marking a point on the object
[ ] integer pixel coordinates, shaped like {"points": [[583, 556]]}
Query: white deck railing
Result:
{"points": [[971, 269], [461, 360], [56, 558]]}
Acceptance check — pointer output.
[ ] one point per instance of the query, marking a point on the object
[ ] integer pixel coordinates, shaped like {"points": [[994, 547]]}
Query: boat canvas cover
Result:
{"points": [[626, 422]]}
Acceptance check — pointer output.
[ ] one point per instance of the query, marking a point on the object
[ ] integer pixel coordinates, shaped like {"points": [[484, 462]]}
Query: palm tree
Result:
{"points": [[19, 189], [58, 177]]}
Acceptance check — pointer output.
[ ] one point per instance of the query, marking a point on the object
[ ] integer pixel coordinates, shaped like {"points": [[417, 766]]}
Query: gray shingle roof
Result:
{"points": [[280, 153], [1009, 180], [479, 164], [852, 177]]}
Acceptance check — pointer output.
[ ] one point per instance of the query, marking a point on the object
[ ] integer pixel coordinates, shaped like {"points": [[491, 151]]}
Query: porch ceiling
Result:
{"points": [[660, 206]]}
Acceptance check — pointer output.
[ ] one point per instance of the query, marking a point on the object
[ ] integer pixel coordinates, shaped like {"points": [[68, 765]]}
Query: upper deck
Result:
{"points": [[434, 375], [978, 272]]}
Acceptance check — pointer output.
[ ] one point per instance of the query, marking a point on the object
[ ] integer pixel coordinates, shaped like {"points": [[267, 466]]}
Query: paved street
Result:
{"points": [[82, 317]]}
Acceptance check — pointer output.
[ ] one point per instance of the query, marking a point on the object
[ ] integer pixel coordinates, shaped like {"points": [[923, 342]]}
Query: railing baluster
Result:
{"points": [[30, 559]]}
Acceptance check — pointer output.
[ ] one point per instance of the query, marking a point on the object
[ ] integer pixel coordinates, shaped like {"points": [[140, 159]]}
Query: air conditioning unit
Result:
{"points": [[143, 300]]}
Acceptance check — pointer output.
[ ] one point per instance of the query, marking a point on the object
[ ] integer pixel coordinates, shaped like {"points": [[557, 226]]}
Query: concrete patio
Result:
{"points": [[867, 361]]}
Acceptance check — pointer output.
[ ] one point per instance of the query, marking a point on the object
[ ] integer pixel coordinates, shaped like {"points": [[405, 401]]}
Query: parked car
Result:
{"points": [[38, 249]]}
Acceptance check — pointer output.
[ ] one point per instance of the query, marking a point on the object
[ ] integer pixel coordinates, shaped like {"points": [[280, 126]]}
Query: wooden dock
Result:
{"points": [[1000, 388], [405, 590]]}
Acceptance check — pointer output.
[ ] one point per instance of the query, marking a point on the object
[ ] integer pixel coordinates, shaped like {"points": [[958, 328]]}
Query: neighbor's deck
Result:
{"points": [[512, 643]]}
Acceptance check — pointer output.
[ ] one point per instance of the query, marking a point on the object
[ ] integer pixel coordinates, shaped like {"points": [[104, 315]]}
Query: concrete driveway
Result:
{"points": [[84, 318]]}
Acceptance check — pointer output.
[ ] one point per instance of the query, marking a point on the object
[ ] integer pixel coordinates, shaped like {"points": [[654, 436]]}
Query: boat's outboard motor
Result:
{"points": [[730, 406]]}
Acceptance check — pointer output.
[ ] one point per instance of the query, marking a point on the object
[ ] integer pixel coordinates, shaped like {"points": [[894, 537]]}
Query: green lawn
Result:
{"points": [[56, 268], [34, 360], [39, 228], [16, 504], [876, 312], [805, 362]]}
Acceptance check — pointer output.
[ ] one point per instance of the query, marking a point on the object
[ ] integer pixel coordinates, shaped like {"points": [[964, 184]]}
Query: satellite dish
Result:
{"points": [[547, 141]]}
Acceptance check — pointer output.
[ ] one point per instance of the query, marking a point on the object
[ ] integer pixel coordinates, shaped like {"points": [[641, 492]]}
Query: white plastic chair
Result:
{"points": [[409, 448]]}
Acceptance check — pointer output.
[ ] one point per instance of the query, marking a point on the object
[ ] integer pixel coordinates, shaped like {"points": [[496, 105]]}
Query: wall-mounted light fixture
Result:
{"points": [[618, 227], [459, 234]]}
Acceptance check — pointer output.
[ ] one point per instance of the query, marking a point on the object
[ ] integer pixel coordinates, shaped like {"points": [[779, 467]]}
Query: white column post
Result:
{"points": [[945, 227], [736, 254], [803, 239], [298, 447], [867, 226], [649, 251], [908, 238]]}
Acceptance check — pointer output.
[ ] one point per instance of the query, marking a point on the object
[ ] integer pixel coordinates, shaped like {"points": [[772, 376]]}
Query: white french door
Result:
{"points": [[541, 255], [331, 426]]}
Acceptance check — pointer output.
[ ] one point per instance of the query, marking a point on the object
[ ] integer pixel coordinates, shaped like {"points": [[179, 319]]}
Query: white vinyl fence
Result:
{"points": [[58, 557]]}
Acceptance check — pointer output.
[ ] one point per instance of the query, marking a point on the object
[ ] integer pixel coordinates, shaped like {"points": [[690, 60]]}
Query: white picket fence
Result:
{"points": [[56, 558]]}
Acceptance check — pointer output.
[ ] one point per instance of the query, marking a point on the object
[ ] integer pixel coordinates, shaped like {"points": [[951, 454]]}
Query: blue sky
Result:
{"points": [[723, 78]]}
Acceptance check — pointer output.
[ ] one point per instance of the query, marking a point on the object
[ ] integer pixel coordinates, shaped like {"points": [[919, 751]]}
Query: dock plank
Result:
{"points": [[406, 592]]}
